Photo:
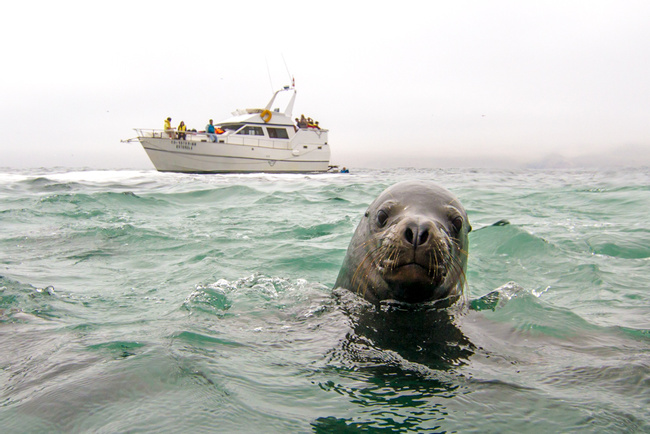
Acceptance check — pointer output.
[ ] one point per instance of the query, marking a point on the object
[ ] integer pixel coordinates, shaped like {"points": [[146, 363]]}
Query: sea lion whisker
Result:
{"points": [[393, 258], [363, 245]]}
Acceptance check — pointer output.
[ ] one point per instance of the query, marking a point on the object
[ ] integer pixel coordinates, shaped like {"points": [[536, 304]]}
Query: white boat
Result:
{"points": [[253, 140]]}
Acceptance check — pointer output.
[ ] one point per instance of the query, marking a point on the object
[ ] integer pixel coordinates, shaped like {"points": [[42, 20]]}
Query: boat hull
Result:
{"points": [[189, 156]]}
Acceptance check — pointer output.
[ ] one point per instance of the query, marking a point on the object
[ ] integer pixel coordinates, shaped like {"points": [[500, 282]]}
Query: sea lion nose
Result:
{"points": [[417, 233]]}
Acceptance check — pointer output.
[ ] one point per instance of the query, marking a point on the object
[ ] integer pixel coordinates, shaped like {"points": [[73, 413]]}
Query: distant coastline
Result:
{"points": [[624, 156]]}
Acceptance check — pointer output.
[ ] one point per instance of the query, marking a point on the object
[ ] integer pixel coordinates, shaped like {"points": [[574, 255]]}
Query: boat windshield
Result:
{"points": [[252, 131], [231, 127]]}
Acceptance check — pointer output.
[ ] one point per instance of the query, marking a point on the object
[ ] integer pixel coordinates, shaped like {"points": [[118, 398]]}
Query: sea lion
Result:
{"points": [[411, 246]]}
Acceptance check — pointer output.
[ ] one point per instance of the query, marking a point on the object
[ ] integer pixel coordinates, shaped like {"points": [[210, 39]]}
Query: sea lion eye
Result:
{"points": [[382, 216], [458, 223]]}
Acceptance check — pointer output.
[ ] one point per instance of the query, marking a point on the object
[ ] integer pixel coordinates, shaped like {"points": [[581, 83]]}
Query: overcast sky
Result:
{"points": [[435, 83]]}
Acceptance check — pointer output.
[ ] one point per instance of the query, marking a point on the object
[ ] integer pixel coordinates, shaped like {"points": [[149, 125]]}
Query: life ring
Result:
{"points": [[266, 116]]}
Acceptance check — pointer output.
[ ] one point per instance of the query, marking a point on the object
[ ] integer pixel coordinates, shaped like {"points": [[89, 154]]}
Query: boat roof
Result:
{"points": [[252, 115], [278, 118]]}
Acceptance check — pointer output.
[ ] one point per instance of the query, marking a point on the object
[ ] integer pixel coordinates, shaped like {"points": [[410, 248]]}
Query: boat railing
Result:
{"points": [[164, 134], [232, 139], [161, 134]]}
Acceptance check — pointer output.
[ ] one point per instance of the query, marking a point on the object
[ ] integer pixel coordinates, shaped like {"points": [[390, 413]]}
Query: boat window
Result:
{"points": [[252, 131], [278, 133]]}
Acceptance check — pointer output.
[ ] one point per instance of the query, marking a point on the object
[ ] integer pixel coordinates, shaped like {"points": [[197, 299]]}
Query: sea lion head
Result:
{"points": [[411, 246]]}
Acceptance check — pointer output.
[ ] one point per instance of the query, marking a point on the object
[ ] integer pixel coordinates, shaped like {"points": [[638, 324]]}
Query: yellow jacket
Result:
{"points": [[181, 127], [168, 125]]}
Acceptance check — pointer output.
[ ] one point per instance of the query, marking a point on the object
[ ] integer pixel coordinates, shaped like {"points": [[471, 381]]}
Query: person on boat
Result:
{"points": [[168, 128], [345, 170], [210, 131], [181, 130], [303, 122]]}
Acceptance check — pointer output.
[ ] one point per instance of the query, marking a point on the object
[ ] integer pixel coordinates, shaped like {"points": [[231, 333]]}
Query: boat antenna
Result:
{"points": [[288, 73], [269, 71]]}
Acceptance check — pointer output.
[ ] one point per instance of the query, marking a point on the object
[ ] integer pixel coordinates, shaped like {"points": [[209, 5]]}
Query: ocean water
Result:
{"points": [[137, 301]]}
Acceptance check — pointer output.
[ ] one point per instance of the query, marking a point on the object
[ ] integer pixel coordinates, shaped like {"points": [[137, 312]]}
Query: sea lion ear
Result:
{"points": [[469, 228], [367, 213]]}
